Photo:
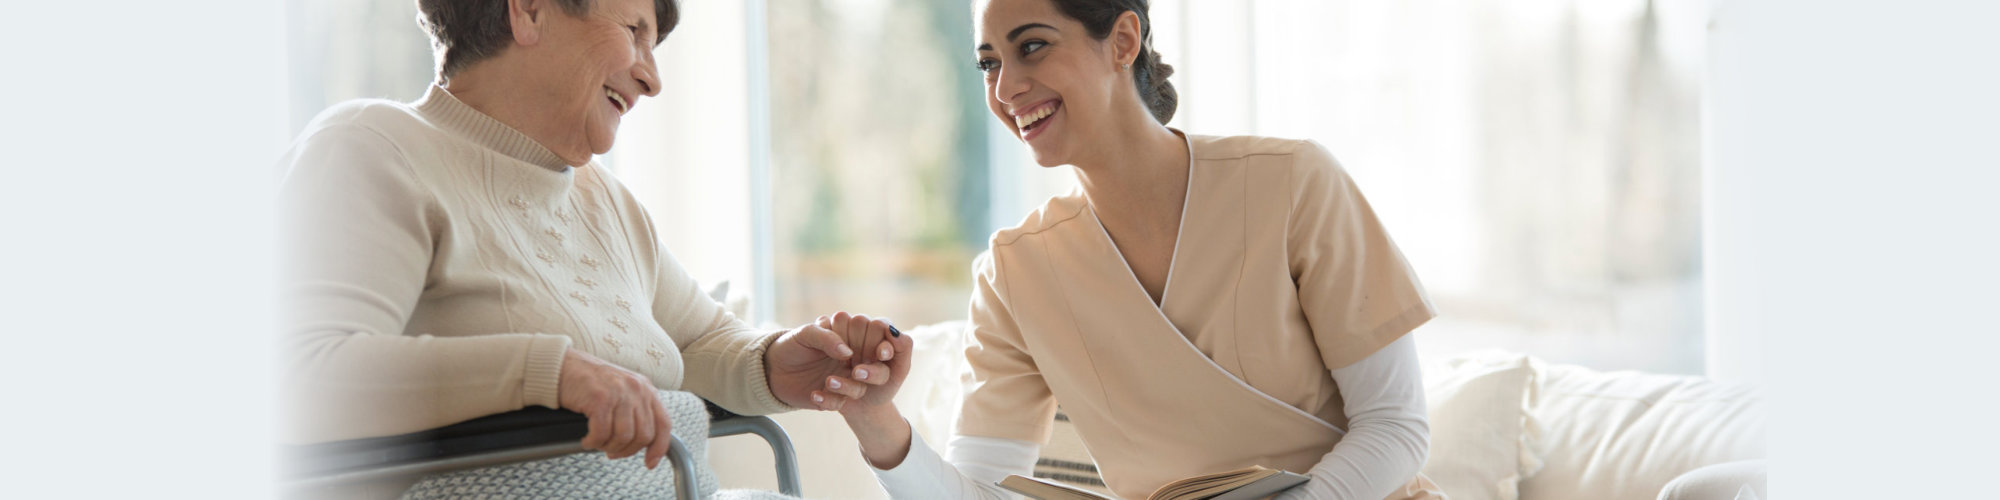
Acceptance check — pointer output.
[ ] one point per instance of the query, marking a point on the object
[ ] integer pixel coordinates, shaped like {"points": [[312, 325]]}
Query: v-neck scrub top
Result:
{"points": [[1281, 273]]}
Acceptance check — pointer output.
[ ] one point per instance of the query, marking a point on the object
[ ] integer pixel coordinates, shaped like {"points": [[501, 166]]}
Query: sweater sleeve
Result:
{"points": [[722, 357], [357, 235]]}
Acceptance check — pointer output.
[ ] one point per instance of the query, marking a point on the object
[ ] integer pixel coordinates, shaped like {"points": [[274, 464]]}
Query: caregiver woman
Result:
{"points": [[463, 255], [1201, 304]]}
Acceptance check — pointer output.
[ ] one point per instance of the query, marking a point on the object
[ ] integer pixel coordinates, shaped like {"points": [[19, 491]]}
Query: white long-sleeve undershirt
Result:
{"points": [[1387, 441]]}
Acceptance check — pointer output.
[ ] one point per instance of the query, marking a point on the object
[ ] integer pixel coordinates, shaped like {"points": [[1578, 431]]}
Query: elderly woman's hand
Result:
{"points": [[625, 414]]}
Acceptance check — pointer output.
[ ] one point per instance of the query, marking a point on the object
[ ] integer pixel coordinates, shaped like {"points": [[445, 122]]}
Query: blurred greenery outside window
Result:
{"points": [[879, 163]]}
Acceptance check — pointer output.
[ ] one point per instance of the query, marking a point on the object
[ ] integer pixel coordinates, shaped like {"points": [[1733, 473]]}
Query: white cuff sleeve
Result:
{"points": [[977, 464], [1388, 435]]}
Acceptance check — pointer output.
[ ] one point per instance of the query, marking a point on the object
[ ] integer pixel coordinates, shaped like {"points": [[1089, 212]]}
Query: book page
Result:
{"points": [[1269, 485], [1210, 484], [1043, 489]]}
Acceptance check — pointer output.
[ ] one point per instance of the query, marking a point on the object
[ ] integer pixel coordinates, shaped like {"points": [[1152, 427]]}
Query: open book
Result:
{"points": [[1253, 483]]}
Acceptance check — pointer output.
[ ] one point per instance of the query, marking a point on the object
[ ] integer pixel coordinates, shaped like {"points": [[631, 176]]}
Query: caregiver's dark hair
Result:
{"points": [[468, 31], [1148, 73]]}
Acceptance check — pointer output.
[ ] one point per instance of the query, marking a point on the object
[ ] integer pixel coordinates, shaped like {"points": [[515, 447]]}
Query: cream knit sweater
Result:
{"points": [[437, 263]]}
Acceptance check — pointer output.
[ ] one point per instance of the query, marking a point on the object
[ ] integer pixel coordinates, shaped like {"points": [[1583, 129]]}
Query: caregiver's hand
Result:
{"points": [[625, 414], [881, 430]]}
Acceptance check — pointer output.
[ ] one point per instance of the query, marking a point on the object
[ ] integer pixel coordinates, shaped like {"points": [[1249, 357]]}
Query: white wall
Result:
{"points": [[1854, 228], [139, 140]]}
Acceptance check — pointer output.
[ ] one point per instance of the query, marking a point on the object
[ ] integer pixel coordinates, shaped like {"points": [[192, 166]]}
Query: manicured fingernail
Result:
{"points": [[894, 332], [844, 351], [885, 353], [817, 399], [860, 373], [833, 382]]}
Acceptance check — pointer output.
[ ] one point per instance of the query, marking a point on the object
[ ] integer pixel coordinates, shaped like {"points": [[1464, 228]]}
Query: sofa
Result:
{"points": [[1507, 426], [1504, 426]]}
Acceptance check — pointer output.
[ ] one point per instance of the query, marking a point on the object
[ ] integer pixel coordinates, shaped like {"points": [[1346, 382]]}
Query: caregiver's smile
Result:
{"points": [[1031, 121]]}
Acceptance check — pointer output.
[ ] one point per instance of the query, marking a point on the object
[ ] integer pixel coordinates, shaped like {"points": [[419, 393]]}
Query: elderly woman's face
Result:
{"points": [[603, 63]]}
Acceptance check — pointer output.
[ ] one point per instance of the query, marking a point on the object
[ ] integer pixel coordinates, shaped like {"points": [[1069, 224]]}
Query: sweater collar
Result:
{"points": [[440, 106]]}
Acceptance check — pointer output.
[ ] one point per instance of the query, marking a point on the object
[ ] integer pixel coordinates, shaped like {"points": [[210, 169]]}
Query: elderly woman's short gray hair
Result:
{"points": [[468, 31]]}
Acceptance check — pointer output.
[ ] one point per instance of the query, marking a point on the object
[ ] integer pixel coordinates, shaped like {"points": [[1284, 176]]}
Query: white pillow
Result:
{"points": [[1624, 435], [737, 303], [932, 393], [1477, 427]]}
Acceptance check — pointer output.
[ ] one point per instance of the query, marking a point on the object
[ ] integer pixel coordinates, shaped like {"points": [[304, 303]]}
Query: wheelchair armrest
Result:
{"points": [[528, 434], [723, 422], [526, 428]]}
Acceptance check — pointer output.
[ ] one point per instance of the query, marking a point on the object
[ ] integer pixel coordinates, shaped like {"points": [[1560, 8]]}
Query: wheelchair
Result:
{"points": [[519, 436]]}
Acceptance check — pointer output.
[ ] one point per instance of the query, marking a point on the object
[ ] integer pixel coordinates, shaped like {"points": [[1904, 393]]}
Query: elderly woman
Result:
{"points": [[462, 255]]}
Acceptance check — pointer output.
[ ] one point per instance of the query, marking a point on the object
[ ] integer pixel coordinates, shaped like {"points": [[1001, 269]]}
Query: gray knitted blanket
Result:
{"points": [[590, 475]]}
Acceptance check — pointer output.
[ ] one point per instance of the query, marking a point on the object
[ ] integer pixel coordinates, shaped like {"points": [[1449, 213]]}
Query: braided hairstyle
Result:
{"points": [[1148, 73]]}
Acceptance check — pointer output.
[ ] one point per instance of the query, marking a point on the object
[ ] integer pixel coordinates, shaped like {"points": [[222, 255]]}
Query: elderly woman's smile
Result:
{"points": [[617, 101]]}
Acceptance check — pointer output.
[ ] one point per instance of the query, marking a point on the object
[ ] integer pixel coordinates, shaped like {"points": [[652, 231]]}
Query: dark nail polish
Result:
{"points": [[893, 332]]}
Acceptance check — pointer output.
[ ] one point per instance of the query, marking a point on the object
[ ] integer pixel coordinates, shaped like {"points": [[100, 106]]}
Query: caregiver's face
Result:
{"points": [[603, 63], [1046, 78]]}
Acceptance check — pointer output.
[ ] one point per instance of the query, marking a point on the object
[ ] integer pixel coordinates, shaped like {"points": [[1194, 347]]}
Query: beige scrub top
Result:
{"points": [[1281, 274]]}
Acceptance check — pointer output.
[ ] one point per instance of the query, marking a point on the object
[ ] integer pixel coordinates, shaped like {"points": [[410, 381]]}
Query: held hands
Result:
{"points": [[893, 351], [625, 414], [808, 367], [813, 366], [869, 407]]}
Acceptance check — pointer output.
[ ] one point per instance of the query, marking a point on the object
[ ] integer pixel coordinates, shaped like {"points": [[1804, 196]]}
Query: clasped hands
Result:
{"points": [[812, 366]]}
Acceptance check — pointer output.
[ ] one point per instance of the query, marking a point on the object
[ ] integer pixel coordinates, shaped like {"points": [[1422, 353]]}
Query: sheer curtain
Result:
{"points": [[344, 49], [686, 153]]}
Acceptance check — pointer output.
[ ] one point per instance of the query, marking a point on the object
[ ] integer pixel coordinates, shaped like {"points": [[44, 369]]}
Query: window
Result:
{"points": [[878, 158], [1538, 162]]}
